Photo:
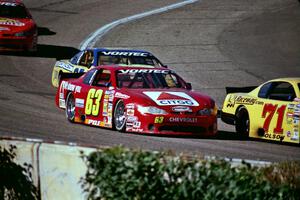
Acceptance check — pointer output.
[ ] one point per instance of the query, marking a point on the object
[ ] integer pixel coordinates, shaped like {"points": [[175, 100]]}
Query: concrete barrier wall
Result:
{"points": [[57, 168]]}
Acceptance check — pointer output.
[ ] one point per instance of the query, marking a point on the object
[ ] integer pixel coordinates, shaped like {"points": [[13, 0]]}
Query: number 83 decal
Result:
{"points": [[93, 102], [268, 113]]}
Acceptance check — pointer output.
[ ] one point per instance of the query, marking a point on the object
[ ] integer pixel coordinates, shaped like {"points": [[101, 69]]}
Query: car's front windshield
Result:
{"points": [[299, 87], [148, 78], [128, 60], [11, 10]]}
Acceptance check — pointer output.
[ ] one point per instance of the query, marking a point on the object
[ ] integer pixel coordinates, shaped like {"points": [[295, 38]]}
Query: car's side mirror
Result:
{"points": [[297, 99], [188, 86]]}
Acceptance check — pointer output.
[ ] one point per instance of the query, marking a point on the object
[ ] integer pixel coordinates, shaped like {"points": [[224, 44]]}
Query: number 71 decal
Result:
{"points": [[268, 113]]}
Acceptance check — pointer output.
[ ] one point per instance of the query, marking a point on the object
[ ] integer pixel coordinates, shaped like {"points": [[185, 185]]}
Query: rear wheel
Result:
{"points": [[242, 123], [119, 116], [70, 107]]}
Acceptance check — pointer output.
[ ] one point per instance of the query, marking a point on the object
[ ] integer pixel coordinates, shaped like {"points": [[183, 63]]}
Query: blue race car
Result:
{"points": [[89, 58]]}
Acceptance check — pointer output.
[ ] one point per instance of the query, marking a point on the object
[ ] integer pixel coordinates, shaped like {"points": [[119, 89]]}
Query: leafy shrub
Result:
{"points": [[118, 173], [15, 180]]}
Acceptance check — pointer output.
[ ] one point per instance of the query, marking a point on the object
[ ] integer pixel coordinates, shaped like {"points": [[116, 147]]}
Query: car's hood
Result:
{"points": [[10, 25], [169, 98]]}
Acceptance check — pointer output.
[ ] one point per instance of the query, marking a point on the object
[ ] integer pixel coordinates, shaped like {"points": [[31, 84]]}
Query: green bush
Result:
{"points": [[118, 173], [15, 180]]}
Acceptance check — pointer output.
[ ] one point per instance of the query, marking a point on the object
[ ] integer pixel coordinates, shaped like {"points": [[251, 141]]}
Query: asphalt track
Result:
{"points": [[212, 44]]}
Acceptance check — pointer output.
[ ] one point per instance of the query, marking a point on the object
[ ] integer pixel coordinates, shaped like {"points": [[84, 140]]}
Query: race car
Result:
{"points": [[18, 31], [90, 58], [140, 100], [270, 111]]}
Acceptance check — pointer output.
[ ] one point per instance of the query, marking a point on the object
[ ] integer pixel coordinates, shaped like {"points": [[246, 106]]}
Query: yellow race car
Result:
{"points": [[270, 111], [89, 58]]}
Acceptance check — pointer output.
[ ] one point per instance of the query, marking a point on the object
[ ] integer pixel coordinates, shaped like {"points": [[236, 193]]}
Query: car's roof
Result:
{"points": [[287, 79], [117, 67], [121, 50], [19, 2]]}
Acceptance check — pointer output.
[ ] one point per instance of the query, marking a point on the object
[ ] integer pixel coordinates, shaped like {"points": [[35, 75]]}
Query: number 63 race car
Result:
{"points": [[270, 111], [86, 59], [143, 100]]}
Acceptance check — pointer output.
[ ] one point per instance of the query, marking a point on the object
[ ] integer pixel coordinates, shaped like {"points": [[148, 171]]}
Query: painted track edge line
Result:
{"points": [[95, 36]]}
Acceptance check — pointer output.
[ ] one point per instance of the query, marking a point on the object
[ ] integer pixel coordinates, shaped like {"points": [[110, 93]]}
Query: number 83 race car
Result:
{"points": [[142, 100], [270, 111]]}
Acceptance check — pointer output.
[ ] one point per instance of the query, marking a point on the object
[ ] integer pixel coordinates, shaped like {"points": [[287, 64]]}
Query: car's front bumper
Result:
{"points": [[13, 43], [173, 125]]}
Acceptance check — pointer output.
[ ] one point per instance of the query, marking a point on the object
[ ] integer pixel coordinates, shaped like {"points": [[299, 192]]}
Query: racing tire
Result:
{"points": [[242, 122], [119, 116], [70, 107]]}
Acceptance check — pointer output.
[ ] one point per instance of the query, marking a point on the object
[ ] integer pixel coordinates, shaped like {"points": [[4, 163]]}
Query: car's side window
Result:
{"points": [[102, 78], [87, 59], [264, 90], [283, 91]]}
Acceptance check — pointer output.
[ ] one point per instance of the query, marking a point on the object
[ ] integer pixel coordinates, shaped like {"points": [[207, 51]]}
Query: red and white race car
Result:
{"points": [[143, 100], [18, 31]]}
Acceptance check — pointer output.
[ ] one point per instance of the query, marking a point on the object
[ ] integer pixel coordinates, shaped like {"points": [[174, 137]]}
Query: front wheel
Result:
{"points": [[242, 123], [70, 107], [119, 116]]}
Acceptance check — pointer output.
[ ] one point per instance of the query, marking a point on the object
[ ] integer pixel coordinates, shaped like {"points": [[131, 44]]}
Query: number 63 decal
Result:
{"points": [[268, 113], [91, 107]]}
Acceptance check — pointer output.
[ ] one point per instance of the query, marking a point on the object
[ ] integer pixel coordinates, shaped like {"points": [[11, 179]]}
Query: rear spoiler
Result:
{"points": [[239, 89], [70, 75]]}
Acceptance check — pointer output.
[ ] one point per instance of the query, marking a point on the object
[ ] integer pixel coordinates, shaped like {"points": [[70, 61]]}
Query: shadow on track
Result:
{"points": [[47, 51], [45, 31]]}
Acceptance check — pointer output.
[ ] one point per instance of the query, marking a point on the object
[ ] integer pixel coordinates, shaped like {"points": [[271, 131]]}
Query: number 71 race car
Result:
{"points": [[142, 100], [89, 58], [270, 111]]}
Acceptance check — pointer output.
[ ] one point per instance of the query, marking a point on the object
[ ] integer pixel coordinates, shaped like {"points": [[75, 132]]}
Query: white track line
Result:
{"points": [[94, 37]]}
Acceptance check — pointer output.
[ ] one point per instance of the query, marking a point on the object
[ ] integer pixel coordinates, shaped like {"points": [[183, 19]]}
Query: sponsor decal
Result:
{"points": [[242, 100], [104, 110], [181, 109], [172, 99], [295, 136], [65, 66], [274, 136], [137, 130], [4, 29], [297, 100], [298, 105], [130, 106], [291, 106], [159, 120], [10, 22], [136, 124], [7, 4], [132, 118], [133, 71], [79, 103], [62, 103], [71, 87], [288, 134], [130, 112], [121, 95], [184, 120], [93, 122], [120, 53]]}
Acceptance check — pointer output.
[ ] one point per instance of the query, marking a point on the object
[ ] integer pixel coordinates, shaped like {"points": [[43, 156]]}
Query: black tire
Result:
{"points": [[119, 116], [242, 122], [70, 107]]}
